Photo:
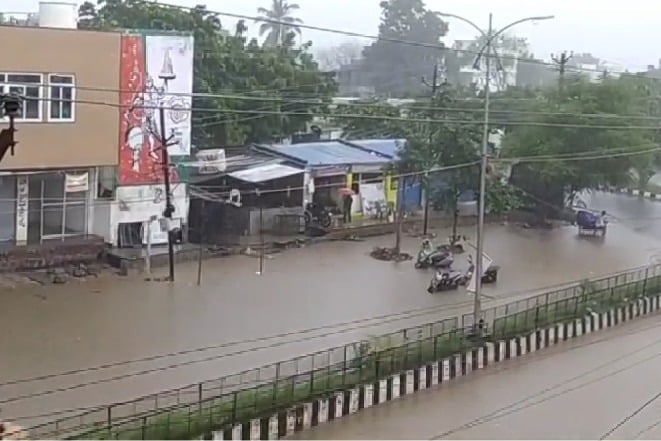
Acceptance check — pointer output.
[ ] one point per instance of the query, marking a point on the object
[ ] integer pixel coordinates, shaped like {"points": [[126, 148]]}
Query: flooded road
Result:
{"points": [[577, 390], [49, 330]]}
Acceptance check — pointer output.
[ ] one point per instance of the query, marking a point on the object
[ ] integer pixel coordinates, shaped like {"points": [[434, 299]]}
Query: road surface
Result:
{"points": [[576, 390], [48, 330]]}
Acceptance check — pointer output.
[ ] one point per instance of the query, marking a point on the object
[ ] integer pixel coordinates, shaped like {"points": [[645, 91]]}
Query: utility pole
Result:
{"points": [[487, 50], [434, 87], [477, 273], [201, 237], [169, 208], [562, 61]]}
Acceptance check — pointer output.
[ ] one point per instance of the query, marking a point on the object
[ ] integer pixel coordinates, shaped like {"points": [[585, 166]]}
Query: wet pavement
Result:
{"points": [[579, 389], [48, 330]]}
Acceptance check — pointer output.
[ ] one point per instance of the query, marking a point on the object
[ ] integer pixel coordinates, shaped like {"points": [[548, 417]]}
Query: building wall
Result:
{"points": [[92, 59]]}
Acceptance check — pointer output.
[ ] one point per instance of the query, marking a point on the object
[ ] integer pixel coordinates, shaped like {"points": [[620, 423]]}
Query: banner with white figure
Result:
{"points": [[486, 263]]}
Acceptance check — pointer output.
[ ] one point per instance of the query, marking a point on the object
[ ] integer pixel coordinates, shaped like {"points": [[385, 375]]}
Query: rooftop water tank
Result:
{"points": [[58, 15]]}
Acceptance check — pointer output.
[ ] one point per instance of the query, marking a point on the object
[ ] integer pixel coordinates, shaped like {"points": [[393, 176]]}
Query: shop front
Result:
{"points": [[44, 206]]}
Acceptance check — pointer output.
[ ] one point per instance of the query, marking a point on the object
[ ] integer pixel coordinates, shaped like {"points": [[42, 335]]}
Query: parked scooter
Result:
{"points": [[315, 214], [444, 280], [429, 257], [490, 273]]}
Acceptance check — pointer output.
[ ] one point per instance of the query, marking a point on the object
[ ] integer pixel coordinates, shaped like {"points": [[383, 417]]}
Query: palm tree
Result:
{"points": [[278, 22]]}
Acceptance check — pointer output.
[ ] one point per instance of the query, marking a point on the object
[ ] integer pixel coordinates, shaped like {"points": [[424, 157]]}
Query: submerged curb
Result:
{"points": [[633, 192], [337, 405]]}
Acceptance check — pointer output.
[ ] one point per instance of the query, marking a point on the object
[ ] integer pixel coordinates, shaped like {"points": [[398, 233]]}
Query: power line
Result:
{"points": [[512, 408], [358, 104], [630, 416], [382, 117], [368, 36], [95, 408]]}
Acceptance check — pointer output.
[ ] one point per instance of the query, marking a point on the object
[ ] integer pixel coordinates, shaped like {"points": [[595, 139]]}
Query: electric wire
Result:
{"points": [[630, 416], [93, 408], [360, 104], [405, 42], [512, 408]]}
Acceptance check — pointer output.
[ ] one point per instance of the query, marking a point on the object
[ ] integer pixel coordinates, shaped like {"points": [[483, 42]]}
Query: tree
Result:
{"points": [[575, 121], [279, 22], [370, 119], [438, 141], [228, 64], [395, 69], [335, 57]]}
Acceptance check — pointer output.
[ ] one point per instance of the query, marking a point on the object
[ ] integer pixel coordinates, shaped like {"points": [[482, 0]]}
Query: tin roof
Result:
{"points": [[386, 147], [265, 172], [326, 153]]}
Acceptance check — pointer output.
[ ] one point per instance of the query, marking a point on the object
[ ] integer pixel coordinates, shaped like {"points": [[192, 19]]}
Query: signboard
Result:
{"points": [[155, 71], [211, 161], [76, 183], [22, 201], [138, 203], [486, 263]]}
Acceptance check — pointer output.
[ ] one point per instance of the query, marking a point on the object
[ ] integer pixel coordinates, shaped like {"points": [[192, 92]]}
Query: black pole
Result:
{"points": [[261, 238], [201, 231], [169, 209], [425, 221]]}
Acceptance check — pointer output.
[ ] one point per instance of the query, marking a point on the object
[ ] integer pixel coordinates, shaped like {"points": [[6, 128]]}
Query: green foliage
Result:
{"points": [[502, 198], [394, 69], [373, 119], [596, 106], [441, 142], [229, 64]]}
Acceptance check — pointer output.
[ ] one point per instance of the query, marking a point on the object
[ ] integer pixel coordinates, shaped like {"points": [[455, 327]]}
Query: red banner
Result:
{"points": [[140, 149]]}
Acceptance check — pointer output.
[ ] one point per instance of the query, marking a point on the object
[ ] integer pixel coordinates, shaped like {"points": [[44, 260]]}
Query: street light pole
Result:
{"points": [[477, 303], [487, 50]]}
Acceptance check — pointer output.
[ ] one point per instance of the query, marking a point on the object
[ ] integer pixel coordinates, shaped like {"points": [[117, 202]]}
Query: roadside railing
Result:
{"points": [[264, 375], [184, 412]]}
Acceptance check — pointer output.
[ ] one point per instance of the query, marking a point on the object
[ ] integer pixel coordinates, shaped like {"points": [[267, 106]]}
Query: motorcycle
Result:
{"points": [[445, 281], [315, 214], [429, 256], [490, 274]]}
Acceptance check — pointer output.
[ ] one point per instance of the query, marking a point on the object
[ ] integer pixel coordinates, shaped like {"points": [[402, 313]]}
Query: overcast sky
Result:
{"points": [[625, 32]]}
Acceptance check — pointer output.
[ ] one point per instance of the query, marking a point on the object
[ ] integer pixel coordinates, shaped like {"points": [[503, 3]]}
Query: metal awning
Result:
{"points": [[263, 173]]}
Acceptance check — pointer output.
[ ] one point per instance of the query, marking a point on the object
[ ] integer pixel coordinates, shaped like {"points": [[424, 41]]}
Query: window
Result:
{"points": [[28, 87], [61, 99], [54, 213]]}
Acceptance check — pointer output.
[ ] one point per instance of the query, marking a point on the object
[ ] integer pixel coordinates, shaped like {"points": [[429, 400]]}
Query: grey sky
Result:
{"points": [[625, 33]]}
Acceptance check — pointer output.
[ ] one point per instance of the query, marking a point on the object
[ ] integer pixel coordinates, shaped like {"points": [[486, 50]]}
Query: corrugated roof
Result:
{"points": [[266, 172], [386, 147], [327, 153]]}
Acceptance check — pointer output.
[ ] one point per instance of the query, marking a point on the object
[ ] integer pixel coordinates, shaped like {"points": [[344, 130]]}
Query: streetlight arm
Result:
{"points": [[465, 20], [523, 20], [500, 32]]}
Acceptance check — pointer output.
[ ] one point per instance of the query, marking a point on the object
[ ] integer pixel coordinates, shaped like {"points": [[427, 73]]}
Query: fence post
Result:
{"points": [[167, 425], [199, 397], [377, 365], [143, 430], [645, 282], [536, 317], [435, 347], [109, 420], [235, 404], [344, 366], [312, 376], [274, 398]]}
